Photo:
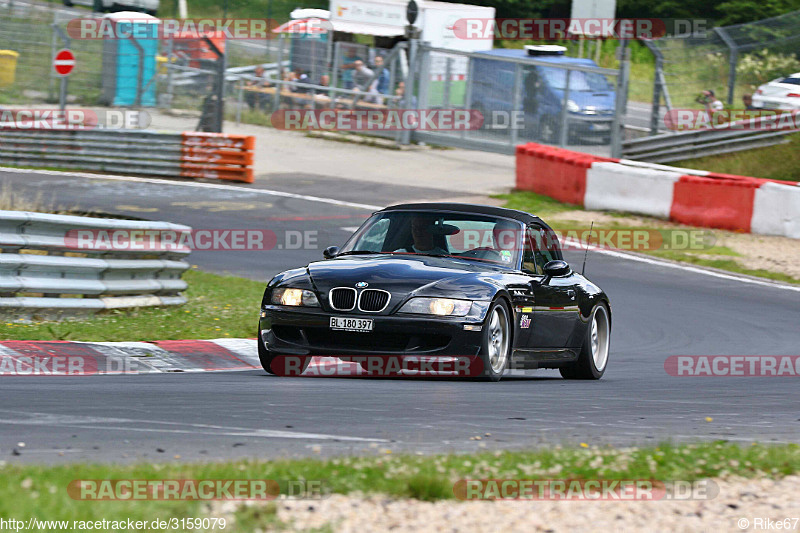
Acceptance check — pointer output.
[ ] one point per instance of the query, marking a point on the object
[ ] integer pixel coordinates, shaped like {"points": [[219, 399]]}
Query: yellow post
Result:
{"points": [[8, 67]]}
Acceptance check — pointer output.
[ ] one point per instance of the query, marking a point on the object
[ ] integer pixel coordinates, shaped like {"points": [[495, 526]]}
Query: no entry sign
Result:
{"points": [[64, 62]]}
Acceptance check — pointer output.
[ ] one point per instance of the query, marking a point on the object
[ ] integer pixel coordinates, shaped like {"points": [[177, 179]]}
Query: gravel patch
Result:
{"points": [[738, 499], [756, 252]]}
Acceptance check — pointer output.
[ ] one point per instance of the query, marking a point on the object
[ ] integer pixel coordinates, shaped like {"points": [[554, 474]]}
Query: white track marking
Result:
{"points": [[126, 424], [687, 268], [268, 192], [218, 186]]}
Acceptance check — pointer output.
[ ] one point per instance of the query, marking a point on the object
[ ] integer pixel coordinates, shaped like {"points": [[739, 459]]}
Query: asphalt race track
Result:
{"points": [[658, 311]]}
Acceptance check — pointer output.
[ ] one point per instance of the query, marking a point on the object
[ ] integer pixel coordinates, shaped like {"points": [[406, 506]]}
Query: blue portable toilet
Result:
{"points": [[129, 59]]}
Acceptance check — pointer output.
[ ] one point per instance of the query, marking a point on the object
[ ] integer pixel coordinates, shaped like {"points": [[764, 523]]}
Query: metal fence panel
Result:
{"points": [[731, 60], [521, 99]]}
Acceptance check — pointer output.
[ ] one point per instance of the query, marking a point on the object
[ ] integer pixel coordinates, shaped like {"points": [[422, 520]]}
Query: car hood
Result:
{"points": [[402, 275]]}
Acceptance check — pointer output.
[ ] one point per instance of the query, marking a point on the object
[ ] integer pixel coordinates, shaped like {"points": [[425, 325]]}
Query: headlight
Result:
{"points": [[572, 107], [294, 297], [437, 306]]}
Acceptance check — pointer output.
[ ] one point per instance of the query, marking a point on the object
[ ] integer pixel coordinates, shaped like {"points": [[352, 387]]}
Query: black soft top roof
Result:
{"points": [[522, 216]]}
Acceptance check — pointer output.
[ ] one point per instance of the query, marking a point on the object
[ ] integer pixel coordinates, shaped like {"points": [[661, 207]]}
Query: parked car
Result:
{"points": [[780, 93], [438, 280], [591, 100]]}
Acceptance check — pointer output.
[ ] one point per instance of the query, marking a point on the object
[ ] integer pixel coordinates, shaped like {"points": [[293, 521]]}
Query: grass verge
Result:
{"points": [[40, 491], [218, 307], [779, 162], [714, 256]]}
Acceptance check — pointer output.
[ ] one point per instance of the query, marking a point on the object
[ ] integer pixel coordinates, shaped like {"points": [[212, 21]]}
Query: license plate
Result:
{"points": [[351, 324], [601, 127]]}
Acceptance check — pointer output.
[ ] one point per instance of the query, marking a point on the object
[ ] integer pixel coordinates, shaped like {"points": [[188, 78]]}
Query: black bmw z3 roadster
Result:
{"points": [[438, 280]]}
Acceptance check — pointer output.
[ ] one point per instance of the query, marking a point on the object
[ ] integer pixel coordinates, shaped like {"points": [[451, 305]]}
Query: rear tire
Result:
{"points": [[550, 130], [497, 341], [593, 358]]}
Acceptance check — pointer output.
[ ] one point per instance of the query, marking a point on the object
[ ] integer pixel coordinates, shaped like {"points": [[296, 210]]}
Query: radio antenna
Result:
{"points": [[586, 252]]}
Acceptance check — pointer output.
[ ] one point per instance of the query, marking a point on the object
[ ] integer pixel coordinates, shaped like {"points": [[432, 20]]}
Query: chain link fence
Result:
{"points": [[566, 101], [557, 100], [36, 33], [732, 61]]}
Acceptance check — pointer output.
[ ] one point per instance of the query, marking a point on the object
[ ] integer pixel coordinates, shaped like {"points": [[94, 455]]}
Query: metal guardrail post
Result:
{"points": [[659, 87], [220, 85], [239, 101], [408, 102], [620, 104], [734, 58], [337, 49], [515, 104], [170, 88], [62, 94], [140, 71], [423, 76], [448, 69], [564, 118], [468, 92]]}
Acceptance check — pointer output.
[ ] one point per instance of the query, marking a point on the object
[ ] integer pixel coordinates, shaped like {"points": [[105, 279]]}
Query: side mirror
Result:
{"points": [[330, 252], [557, 268]]}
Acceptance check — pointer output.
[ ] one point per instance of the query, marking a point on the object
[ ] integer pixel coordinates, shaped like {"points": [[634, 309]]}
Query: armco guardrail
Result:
{"points": [[55, 264], [189, 155], [677, 146], [698, 198]]}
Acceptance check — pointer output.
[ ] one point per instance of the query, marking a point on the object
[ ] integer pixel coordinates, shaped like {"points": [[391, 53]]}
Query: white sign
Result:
{"points": [[370, 12], [592, 10]]}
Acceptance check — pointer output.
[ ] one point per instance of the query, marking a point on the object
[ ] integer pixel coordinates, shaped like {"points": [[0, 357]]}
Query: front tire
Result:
{"points": [[267, 358], [496, 347], [550, 130], [593, 358]]}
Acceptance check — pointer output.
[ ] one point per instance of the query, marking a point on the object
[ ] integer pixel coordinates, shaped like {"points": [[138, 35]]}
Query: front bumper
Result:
{"points": [[590, 124], [778, 104], [306, 331]]}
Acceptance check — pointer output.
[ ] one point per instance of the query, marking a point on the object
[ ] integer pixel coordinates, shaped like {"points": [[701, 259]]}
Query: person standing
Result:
{"points": [[361, 75], [349, 65], [710, 101], [381, 84]]}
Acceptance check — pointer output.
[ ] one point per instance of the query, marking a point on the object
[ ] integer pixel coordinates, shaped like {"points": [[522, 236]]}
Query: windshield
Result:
{"points": [[578, 80], [477, 237]]}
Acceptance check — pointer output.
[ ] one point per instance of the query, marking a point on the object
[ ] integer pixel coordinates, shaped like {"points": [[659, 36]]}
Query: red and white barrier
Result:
{"points": [[615, 187], [776, 210], [694, 197]]}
